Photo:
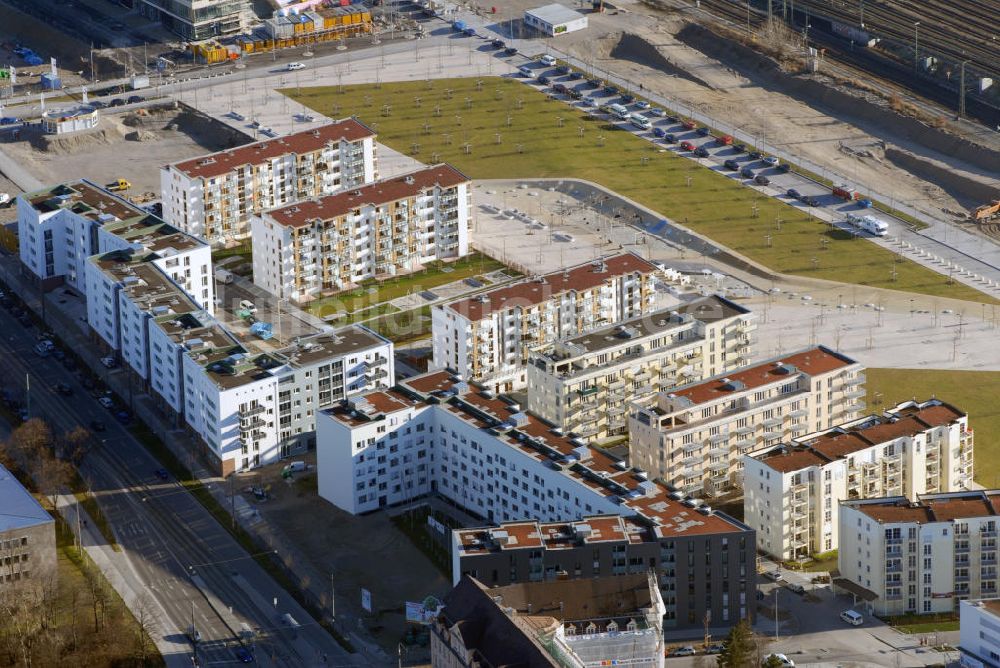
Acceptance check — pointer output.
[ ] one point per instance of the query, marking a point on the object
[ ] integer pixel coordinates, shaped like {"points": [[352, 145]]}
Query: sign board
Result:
{"points": [[423, 612], [366, 600], [437, 526]]}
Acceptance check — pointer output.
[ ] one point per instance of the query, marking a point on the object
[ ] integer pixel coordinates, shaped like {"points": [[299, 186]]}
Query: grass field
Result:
{"points": [[972, 391], [499, 128], [372, 293], [923, 623]]}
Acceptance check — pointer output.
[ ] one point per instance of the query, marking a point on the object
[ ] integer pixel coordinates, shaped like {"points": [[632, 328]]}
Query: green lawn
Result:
{"points": [[502, 129], [923, 623], [434, 274], [974, 392]]}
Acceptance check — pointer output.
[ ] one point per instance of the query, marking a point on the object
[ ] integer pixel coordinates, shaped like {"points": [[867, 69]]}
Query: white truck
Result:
{"points": [[223, 276], [868, 223]]}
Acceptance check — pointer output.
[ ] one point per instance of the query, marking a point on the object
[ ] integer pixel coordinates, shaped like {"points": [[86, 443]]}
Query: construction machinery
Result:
{"points": [[986, 212]]}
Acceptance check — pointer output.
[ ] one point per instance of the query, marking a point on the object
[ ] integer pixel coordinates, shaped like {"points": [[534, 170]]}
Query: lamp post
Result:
{"points": [[916, 44]]}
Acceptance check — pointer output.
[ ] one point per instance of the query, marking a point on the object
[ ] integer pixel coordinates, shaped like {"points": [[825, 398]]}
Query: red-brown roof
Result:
{"points": [[430, 382], [812, 362], [307, 141], [789, 459], [397, 188], [529, 293], [943, 507]]}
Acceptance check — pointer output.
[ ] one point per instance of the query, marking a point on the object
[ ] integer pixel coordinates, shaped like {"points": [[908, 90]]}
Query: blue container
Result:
{"points": [[50, 82]]}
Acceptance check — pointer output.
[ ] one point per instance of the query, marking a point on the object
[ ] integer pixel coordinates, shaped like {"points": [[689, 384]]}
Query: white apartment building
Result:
{"points": [[60, 227], [920, 556], [979, 633], [389, 227], [695, 436], [250, 409], [585, 384], [214, 196], [792, 492], [491, 334]]}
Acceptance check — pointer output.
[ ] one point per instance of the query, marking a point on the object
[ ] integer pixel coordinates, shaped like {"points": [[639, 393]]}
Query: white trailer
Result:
{"points": [[868, 223]]}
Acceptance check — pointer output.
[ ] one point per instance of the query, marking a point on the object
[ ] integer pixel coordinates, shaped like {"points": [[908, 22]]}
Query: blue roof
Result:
{"points": [[18, 508]]}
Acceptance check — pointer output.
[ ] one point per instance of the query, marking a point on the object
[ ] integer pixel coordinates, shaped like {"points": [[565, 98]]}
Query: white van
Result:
{"points": [[526, 71], [547, 60], [618, 111], [852, 618], [640, 121]]}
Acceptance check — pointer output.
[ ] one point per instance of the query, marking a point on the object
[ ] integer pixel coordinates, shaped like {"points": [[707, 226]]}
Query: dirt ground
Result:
{"points": [[639, 43], [333, 541], [125, 147]]}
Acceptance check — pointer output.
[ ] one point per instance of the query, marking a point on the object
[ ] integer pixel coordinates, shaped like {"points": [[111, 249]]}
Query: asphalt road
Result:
{"points": [[177, 552]]}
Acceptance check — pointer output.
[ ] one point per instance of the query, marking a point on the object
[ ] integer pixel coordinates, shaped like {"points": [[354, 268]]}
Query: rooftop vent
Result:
{"points": [[409, 180]]}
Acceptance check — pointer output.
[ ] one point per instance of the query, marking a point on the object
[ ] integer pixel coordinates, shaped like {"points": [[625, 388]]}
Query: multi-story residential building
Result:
{"points": [[920, 556], [585, 384], [437, 434], [61, 226], [215, 196], [979, 633], [596, 621], [27, 537], [388, 227], [196, 20], [694, 436], [250, 409], [793, 491], [491, 334]]}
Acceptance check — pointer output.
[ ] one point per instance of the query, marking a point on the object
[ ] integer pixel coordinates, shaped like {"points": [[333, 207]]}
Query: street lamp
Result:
{"points": [[916, 44]]}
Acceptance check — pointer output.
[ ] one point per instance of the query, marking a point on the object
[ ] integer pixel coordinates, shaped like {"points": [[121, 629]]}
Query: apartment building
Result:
{"points": [[695, 436], [214, 196], [585, 384], [250, 409], [197, 20], [793, 491], [437, 434], [491, 334], [61, 226], [596, 621], [389, 227], [979, 633], [921, 556], [27, 537]]}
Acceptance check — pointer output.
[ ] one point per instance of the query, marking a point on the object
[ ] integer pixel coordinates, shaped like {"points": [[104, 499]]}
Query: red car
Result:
{"points": [[689, 125], [687, 146], [724, 140]]}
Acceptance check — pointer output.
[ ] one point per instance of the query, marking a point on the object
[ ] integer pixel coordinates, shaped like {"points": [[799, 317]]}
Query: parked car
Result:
{"points": [[106, 402], [687, 146], [544, 80], [739, 148], [595, 83], [784, 168], [703, 132], [162, 474], [756, 155], [563, 69], [771, 161], [774, 576], [243, 655], [97, 425], [511, 51], [853, 618], [670, 138], [642, 104], [64, 389], [117, 102], [785, 661], [295, 65], [9, 120], [136, 99], [715, 648], [747, 173], [659, 132], [762, 180], [98, 104], [731, 164], [627, 98], [793, 193], [701, 152], [574, 76], [123, 416], [656, 111], [498, 44], [610, 90], [470, 32], [686, 650], [525, 71], [796, 588]]}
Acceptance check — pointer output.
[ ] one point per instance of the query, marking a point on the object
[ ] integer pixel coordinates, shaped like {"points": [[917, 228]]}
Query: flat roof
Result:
{"points": [[706, 309], [531, 292], [812, 362], [928, 508], [303, 213], [555, 13], [307, 141], [18, 507]]}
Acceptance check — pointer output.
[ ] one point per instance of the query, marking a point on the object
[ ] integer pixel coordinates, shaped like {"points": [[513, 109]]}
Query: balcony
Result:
{"points": [[256, 409]]}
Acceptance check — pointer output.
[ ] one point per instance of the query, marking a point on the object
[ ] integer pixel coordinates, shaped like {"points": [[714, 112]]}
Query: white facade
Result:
{"points": [[253, 409], [585, 384], [979, 633], [215, 196], [921, 556], [793, 492], [490, 336], [389, 227], [696, 435], [555, 19]]}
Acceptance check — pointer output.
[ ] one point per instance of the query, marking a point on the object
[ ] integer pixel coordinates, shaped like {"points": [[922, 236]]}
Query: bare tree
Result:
{"points": [[144, 619], [75, 444], [52, 476], [20, 607]]}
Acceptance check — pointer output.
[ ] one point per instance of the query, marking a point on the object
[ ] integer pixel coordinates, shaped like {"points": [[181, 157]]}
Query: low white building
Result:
{"points": [[792, 492], [979, 633], [920, 556], [70, 119], [695, 436], [585, 384], [389, 227], [214, 196], [489, 336], [555, 19]]}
